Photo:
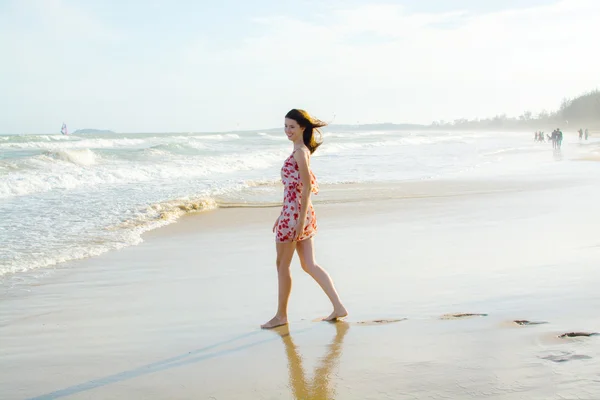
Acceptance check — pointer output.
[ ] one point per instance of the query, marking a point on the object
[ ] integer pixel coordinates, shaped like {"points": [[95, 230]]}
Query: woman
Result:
{"points": [[297, 224]]}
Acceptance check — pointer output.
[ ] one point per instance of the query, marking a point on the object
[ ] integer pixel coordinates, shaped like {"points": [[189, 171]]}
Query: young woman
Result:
{"points": [[297, 225]]}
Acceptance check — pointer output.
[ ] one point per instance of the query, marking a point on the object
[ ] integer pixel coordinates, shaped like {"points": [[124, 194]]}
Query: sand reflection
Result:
{"points": [[321, 386]]}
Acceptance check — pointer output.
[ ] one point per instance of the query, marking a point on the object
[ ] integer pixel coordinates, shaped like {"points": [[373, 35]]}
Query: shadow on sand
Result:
{"points": [[194, 356], [319, 388]]}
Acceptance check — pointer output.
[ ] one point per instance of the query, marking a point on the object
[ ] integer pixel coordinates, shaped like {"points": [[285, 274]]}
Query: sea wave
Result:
{"points": [[124, 234], [79, 157], [71, 169], [166, 212], [73, 143]]}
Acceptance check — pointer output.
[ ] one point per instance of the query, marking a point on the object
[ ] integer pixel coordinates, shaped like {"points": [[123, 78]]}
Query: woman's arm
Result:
{"points": [[301, 158]]}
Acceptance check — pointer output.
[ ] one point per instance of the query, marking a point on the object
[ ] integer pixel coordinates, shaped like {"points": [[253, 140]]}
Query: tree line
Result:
{"points": [[580, 112]]}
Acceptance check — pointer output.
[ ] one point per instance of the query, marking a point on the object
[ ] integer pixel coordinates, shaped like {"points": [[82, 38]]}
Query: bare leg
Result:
{"points": [[307, 260], [285, 252]]}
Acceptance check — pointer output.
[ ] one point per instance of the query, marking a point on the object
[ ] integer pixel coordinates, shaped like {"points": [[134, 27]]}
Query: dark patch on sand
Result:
{"points": [[380, 321], [564, 357], [578, 334], [462, 315], [526, 322]]}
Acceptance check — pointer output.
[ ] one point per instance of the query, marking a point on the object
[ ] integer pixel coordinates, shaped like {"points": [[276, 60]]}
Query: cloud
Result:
{"points": [[382, 63], [371, 62]]}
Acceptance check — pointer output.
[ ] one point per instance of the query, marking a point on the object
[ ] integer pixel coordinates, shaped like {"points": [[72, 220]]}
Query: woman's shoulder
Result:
{"points": [[302, 155], [302, 152]]}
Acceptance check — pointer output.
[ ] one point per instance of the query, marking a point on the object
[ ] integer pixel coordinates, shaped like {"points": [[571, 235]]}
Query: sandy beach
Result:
{"points": [[155, 155], [178, 316]]}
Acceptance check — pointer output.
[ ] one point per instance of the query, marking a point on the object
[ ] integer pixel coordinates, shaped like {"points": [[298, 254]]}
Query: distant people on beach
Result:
{"points": [[556, 138], [583, 133], [297, 223], [539, 136]]}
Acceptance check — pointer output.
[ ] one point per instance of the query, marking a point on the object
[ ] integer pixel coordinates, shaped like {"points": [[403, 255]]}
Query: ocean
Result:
{"points": [[67, 197], [413, 226]]}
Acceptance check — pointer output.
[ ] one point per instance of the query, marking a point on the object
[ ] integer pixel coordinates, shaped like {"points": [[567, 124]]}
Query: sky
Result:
{"points": [[200, 66]]}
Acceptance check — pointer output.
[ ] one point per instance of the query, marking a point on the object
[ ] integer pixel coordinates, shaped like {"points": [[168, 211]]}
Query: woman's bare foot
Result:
{"points": [[275, 322], [337, 314]]}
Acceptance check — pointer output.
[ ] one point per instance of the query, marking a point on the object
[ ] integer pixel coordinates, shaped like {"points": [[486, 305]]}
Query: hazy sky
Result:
{"points": [[155, 66]]}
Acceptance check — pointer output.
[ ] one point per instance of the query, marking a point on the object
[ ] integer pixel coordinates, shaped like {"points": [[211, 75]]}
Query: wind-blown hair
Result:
{"points": [[311, 127]]}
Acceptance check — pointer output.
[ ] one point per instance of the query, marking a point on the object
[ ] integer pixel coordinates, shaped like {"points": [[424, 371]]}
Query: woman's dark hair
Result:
{"points": [[310, 126]]}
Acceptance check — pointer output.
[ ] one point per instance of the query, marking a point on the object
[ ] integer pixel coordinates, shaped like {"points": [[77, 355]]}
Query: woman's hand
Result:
{"points": [[275, 224], [299, 229]]}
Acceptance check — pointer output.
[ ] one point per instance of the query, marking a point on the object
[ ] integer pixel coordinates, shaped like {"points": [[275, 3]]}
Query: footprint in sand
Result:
{"points": [[578, 334], [565, 356], [462, 315], [379, 321], [526, 322]]}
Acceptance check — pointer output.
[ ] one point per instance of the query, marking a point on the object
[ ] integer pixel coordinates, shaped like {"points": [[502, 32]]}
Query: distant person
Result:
{"points": [[553, 138], [586, 134], [297, 224], [580, 133], [559, 138]]}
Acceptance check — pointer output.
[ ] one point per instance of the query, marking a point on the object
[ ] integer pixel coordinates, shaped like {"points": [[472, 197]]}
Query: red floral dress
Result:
{"points": [[292, 194]]}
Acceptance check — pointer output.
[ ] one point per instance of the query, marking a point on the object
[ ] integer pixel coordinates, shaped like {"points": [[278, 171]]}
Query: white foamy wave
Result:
{"points": [[166, 212], [34, 138], [79, 157], [349, 135], [48, 172], [170, 147], [196, 145], [272, 137], [155, 151], [29, 262], [262, 182], [74, 143], [335, 148], [122, 235], [229, 136]]}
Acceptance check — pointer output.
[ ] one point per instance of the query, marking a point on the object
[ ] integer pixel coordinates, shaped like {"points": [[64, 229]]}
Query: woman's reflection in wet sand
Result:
{"points": [[321, 385]]}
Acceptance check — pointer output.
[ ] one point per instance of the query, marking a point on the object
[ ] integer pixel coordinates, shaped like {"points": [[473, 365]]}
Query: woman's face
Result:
{"points": [[293, 131]]}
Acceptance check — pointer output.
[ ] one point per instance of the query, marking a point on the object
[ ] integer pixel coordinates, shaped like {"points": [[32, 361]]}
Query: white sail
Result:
{"points": [[64, 130]]}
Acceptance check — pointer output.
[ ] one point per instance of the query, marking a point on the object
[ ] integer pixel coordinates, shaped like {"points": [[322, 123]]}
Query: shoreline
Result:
{"points": [[178, 315], [331, 194]]}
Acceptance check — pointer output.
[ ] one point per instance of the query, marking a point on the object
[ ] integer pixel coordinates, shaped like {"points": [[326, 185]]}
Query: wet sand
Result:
{"points": [[178, 316]]}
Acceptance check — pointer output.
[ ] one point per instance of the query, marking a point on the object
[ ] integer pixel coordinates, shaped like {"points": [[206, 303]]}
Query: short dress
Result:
{"points": [[292, 193]]}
